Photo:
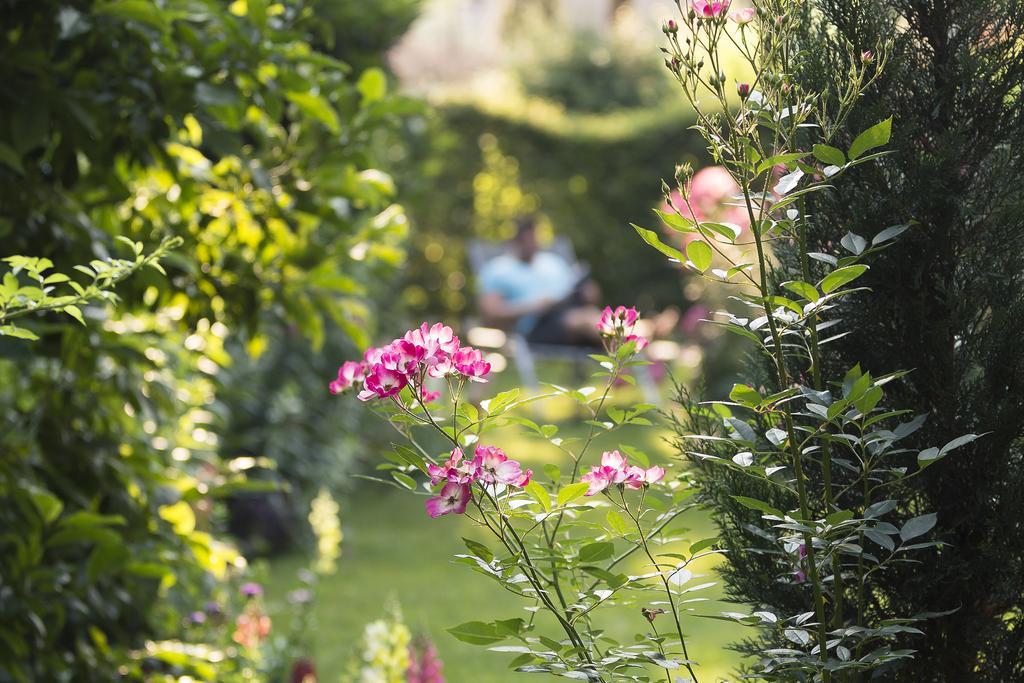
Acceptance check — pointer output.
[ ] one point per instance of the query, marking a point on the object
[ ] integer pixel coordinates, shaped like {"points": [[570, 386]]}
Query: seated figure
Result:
{"points": [[538, 293]]}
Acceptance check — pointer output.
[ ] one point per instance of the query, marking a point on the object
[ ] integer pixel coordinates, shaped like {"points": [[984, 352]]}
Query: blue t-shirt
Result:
{"points": [[518, 282]]}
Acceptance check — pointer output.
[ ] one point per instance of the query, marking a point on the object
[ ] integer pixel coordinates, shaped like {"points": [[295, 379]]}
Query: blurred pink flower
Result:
{"points": [[743, 15], [424, 665], [349, 373], [639, 343], [453, 498], [251, 627], [709, 9]]}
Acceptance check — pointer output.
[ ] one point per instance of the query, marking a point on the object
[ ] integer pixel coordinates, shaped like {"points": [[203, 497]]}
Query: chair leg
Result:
{"points": [[525, 364]]}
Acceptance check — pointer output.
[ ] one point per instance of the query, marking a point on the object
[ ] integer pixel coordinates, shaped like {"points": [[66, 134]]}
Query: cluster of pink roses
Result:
{"points": [[617, 326], [489, 466], [614, 469], [432, 351]]}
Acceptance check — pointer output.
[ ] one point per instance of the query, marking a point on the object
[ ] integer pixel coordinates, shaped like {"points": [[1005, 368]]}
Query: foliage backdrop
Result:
{"points": [[222, 125]]}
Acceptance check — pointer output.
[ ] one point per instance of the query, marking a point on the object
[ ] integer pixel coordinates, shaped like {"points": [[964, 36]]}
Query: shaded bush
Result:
{"points": [[216, 123]]}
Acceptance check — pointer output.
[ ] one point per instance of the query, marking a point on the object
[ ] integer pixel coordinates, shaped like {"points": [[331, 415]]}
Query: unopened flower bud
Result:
{"points": [[683, 174], [867, 56], [650, 614], [743, 89], [670, 27]]}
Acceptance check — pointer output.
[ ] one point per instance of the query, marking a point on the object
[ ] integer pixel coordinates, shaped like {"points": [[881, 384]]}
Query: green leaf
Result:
{"points": [[404, 479], [774, 161], [699, 254], [918, 526], [316, 107], [839, 517], [142, 11], [854, 243], [804, 289], [476, 633], [571, 492], [889, 233], [372, 85], [652, 239], [676, 222], [875, 136], [840, 276], [411, 457], [745, 395], [616, 522], [703, 544], [75, 313], [539, 494], [17, 332], [48, 504], [595, 552], [829, 155], [758, 505], [11, 158], [501, 402], [478, 549]]}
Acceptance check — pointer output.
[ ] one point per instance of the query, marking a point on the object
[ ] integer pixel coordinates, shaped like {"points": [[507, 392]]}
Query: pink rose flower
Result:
{"points": [[494, 467], [454, 470], [613, 459], [382, 382], [451, 499], [470, 363], [349, 373], [615, 469], [638, 477], [599, 478], [743, 15], [709, 9]]}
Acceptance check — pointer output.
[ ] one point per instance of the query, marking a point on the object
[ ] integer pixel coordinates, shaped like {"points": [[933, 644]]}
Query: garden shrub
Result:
{"points": [[947, 303], [217, 126]]}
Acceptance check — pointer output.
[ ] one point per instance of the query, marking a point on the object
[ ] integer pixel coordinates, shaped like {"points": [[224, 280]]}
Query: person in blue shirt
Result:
{"points": [[538, 293]]}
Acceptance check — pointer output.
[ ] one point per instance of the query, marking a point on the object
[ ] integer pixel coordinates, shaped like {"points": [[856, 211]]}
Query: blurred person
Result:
{"points": [[542, 296], [538, 293]]}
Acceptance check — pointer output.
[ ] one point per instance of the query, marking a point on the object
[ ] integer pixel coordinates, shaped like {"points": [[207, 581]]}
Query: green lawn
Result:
{"points": [[393, 549]]}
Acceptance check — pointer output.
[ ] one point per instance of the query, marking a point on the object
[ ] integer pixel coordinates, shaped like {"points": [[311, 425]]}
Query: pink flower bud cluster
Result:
{"points": [[489, 466], [428, 351], [617, 326], [614, 469]]}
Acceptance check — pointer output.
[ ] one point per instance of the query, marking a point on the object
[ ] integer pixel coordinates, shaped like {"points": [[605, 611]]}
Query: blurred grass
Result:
{"points": [[393, 550]]}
